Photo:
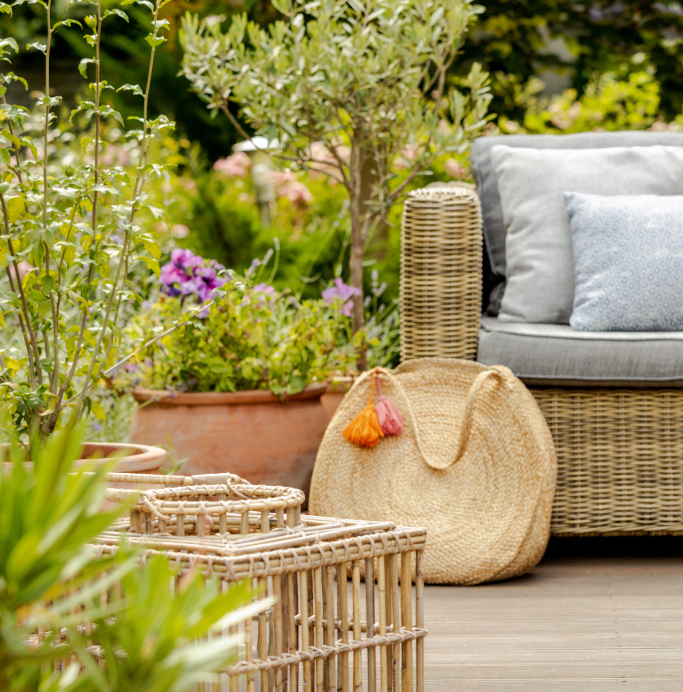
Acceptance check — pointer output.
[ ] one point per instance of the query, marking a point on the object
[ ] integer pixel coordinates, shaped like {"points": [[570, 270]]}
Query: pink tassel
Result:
{"points": [[389, 418]]}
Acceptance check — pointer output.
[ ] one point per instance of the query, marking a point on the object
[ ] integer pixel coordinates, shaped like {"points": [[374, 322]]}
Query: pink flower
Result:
{"points": [[340, 292], [298, 193], [234, 166], [455, 169], [282, 179], [324, 162], [23, 268]]}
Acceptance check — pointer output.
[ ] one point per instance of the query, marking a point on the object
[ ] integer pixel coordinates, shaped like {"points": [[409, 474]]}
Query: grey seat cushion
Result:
{"points": [[555, 354], [487, 183]]}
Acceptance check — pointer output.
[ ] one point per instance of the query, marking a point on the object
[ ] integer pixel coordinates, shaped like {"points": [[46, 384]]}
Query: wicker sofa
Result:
{"points": [[613, 401]]}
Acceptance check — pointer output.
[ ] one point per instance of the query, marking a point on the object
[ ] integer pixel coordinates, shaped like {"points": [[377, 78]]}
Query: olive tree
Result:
{"points": [[347, 86]]}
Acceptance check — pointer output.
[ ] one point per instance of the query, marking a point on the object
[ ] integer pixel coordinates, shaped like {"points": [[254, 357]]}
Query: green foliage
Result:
{"points": [[347, 87], [521, 40], [52, 584], [160, 633], [608, 103], [124, 54], [217, 217], [47, 517], [249, 338], [70, 237]]}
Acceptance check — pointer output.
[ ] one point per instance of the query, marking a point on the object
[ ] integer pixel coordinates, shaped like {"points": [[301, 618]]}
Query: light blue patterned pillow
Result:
{"points": [[628, 262]]}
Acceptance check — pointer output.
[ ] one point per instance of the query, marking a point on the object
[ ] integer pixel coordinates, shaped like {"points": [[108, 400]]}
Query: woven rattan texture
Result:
{"points": [[345, 615], [620, 459], [440, 294], [619, 452], [329, 628]]}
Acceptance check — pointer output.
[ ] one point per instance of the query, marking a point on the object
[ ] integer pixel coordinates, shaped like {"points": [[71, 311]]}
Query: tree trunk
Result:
{"points": [[359, 192]]}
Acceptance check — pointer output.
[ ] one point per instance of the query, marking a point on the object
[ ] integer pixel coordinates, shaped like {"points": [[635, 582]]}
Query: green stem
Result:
{"points": [[137, 189], [25, 316]]}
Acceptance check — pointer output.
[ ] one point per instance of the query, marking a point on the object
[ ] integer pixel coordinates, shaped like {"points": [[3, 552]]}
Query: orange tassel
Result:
{"points": [[364, 430]]}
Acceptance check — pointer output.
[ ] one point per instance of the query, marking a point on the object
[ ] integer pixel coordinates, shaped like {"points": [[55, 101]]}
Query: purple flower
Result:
{"points": [[342, 293], [185, 259], [265, 288], [188, 274]]}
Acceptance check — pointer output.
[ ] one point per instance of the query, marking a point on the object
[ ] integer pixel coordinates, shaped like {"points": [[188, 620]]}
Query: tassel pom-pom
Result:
{"points": [[389, 418], [364, 430]]}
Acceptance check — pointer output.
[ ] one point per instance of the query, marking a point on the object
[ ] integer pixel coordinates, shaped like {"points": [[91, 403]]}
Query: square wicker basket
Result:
{"points": [[346, 615]]}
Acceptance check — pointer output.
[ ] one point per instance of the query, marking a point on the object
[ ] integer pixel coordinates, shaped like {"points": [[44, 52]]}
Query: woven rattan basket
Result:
{"points": [[326, 630], [440, 295], [216, 504], [619, 451]]}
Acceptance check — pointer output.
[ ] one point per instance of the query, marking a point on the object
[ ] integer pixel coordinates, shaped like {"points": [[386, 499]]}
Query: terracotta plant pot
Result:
{"points": [[252, 434], [336, 391], [136, 458]]}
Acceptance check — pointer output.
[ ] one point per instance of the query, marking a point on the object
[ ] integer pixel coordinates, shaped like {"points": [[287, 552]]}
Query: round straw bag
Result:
{"points": [[475, 465]]}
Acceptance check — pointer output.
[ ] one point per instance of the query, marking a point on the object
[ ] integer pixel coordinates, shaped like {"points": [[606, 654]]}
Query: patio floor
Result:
{"points": [[597, 615]]}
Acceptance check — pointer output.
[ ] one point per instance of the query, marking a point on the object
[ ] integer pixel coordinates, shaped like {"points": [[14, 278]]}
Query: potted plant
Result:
{"points": [[238, 387], [73, 229]]}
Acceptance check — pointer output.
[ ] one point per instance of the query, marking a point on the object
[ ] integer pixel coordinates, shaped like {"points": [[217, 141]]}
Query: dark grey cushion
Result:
{"points": [[555, 354], [487, 183]]}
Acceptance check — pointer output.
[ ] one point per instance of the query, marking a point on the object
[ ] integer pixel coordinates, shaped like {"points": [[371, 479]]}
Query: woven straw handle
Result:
{"points": [[469, 410], [465, 428]]}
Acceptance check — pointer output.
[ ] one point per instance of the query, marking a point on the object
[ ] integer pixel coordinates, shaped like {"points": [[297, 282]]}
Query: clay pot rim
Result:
{"points": [[139, 458], [161, 397]]}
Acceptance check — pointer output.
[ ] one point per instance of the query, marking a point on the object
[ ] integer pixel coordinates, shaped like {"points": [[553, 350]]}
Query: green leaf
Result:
{"points": [[155, 41], [15, 208], [97, 410], [83, 66], [151, 263], [68, 23], [135, 88], [38, 46], [118, 13], [152, 246], [85, 142]]}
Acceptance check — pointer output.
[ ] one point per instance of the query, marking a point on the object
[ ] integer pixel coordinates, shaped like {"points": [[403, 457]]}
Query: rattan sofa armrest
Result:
{"points": [[441, 272]]}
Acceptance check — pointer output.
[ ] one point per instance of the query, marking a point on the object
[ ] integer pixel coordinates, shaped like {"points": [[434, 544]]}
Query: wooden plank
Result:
{"points": [[600, 615], [613, 640], [504, 616], [490, 628], [550, 671], [496, 657], [564, 685]]}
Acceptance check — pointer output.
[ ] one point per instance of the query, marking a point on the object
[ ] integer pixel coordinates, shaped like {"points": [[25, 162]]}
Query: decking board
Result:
{"points": [[597, 615]]}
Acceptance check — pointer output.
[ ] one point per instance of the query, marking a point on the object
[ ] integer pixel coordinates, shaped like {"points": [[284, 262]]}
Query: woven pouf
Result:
{"points": [[475, 465]]}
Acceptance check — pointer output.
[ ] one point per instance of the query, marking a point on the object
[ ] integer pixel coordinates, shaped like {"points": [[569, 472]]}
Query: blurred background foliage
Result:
{"points": [[556, 66]]}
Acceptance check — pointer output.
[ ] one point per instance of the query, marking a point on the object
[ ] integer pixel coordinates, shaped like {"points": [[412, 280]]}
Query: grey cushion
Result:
{"points": [[538, 246], [487, 183], [554, 354], [628, 262]]}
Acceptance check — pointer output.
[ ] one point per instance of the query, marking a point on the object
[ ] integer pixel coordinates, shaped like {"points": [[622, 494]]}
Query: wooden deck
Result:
{"points": [[597, 615]]}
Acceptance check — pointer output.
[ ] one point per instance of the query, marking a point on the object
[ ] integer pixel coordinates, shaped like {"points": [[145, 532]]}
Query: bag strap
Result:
{"points": [[468, 417]]}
